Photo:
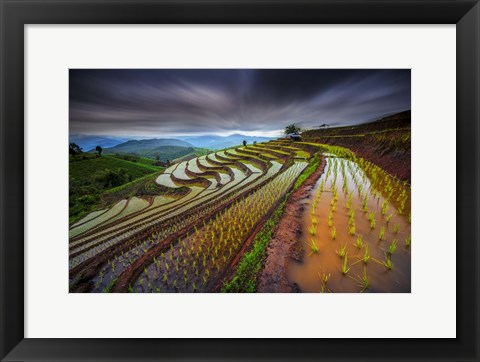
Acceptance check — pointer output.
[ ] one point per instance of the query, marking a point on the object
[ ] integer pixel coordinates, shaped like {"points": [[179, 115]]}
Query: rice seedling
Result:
{"points": [[363, 280], [372, 224], [396, 228], [345, 267], [314, 220], [408, 241], [384, 206], [312, 230], [366, 255], [334, 233], [387, 263], [365, 205], [351, 229], [381, 236], [359, 242], [393, 247], [313, 246], [325, 278], [343, 251], [387, 219]]}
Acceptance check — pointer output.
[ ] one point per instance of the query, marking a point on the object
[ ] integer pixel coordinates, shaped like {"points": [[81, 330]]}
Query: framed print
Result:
{"points": [[244, 180]]}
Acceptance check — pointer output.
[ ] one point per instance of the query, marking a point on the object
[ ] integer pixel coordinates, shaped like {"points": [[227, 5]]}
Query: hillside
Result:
{"points": [[132, 146], [163, 149], [90, 176], [386, 142]]}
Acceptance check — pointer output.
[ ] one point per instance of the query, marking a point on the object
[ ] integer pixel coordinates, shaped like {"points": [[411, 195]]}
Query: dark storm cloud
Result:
{"points": [[172, 102]]}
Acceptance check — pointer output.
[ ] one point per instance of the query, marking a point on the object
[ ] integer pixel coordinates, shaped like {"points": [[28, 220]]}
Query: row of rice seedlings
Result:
{"points": [[220, 239]]}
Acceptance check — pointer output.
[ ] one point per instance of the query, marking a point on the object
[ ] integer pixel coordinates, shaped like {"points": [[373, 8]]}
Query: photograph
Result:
{"points": [[239, 181]]}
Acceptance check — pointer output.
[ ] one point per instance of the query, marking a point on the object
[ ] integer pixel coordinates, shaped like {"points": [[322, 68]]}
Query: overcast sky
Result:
{"points": [[169, 103]]}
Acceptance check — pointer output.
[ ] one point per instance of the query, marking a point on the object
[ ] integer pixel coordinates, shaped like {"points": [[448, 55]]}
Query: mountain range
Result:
{"points": [[131, 145]]}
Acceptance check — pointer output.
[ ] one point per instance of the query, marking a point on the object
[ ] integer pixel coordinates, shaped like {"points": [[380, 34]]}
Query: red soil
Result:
{"points": [[283, 246]]}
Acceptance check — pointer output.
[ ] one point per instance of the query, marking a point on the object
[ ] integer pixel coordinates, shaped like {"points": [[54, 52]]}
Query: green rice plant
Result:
{"points": [[409, 218], [396, 228], [366, 255], [314, 220], [363, 280], [334, 233], [387, 219], [343, 251], [330, 219], [384, 206], [325, 278], [371, 216], [372, 224], [359, 242], [313, 246], [345, 267], [408, 241], [381, 236], [393, 247], [312, 230], [388, 262], [351, 229]]}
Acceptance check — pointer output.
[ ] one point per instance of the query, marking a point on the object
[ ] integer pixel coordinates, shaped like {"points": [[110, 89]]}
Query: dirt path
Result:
{"points": [[283, 246]]}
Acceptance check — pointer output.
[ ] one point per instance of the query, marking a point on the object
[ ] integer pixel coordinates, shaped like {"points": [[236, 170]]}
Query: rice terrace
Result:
{"points": [[267, 181]]}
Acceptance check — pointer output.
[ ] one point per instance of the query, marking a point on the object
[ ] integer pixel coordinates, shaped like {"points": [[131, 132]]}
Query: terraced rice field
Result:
{"points": [[188, 243], [356, 233]]}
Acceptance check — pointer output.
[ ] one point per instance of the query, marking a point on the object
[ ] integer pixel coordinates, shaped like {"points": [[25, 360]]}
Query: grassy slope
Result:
{"points": [[86, 169], [88, 180]]}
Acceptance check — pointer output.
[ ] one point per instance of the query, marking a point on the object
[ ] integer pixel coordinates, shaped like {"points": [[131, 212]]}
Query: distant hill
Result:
{"points": [[88, 142], [132, 146], [165, 149], [220, 142]]}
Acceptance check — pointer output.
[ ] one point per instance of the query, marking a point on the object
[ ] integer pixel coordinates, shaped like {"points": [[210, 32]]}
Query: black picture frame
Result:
{"points": [[16, 14]]}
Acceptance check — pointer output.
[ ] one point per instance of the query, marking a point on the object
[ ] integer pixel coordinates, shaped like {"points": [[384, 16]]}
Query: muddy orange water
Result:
{"points": [[354, 191]]}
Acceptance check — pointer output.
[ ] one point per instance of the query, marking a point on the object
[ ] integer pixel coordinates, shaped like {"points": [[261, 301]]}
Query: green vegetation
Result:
{"points": [[343, 251], [345, 268], [313, 246], [291, 128], [245, 275], [90, 176], [393, 247], [359, 242], [312, 166]]}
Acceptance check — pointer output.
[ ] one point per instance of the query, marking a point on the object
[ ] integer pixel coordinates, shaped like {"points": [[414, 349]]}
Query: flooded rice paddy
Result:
{"points": [[355, 233]]}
